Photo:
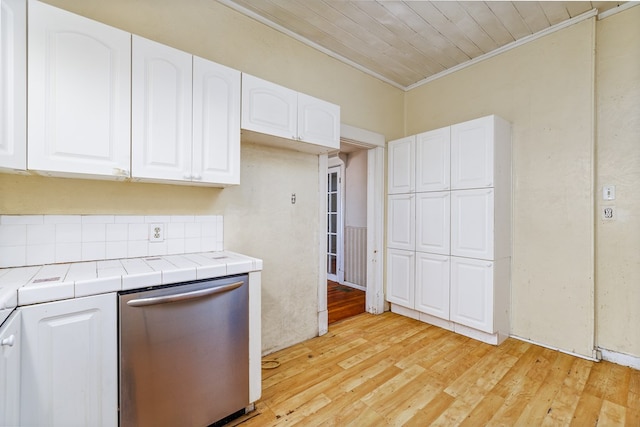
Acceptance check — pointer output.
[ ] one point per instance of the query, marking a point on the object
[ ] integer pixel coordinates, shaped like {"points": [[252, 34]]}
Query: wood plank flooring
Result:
{"points": [[343, 301], [390, 370]]}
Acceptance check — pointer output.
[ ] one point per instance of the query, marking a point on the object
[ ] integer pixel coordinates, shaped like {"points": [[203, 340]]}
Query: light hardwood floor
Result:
{"points": [[390, 370]]}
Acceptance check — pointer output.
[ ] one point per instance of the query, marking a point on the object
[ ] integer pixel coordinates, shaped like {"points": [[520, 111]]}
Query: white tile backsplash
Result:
{"points": [[50, 239]]}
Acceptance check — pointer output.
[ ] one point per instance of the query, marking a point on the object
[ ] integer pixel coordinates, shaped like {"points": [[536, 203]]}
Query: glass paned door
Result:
{"points": [[333, 223]]}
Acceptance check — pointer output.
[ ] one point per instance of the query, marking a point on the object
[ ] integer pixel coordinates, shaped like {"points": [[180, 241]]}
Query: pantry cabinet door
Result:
{"points": [[433, 158], [401, 277], [69, 361], [472, 293], [401, 221], [472, 154], [269, 108], [472, 223], [13, 85], [432, 284], [401, 161], [79, 79], [433, 222], [318, 122], [10, 349], [161, 111], [216, 123]]}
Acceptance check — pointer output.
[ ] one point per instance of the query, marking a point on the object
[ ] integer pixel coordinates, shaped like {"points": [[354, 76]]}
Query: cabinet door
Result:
{"points": [[318, 121], [401, 221], [216, 123], [401, 162], [433, 222], [472, 151], [432, 284], [433, 158], [269, 108], [161, 111], [10, 348], [472, 293], [472, 223], [13, 84], [69, 361], [79, 95], [401, 277]]}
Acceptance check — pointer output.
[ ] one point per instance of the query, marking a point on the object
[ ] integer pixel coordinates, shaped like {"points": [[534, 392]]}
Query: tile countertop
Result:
{"points": [[38, 284]]}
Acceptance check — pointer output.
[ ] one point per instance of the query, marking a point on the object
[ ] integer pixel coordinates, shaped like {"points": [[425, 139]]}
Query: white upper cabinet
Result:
{"points": [[401, 160], [10, 370], [401, 221], [271, 109], [13, 85], [161, 111], [433, 222], [69, 361], [216, 123], [79, 79], [318, 122], [472, 223], [433, 155]]}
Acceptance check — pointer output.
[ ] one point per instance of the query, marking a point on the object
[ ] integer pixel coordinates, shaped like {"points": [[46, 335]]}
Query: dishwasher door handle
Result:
{"points": [[142, 302]]}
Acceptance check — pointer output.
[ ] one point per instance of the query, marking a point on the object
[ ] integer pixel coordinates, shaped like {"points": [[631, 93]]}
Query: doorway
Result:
{"points": [[372, 145]]}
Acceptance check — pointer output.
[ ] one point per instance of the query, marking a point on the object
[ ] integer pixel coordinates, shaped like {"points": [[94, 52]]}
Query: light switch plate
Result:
{"points": [[609, 192]]}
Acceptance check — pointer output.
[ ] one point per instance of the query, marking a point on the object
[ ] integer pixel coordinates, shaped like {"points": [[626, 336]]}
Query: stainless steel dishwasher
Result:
{"points": [[184, 353]]}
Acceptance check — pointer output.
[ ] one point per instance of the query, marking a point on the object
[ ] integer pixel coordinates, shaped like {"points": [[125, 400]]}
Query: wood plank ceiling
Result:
{"points": [[406, 42]]}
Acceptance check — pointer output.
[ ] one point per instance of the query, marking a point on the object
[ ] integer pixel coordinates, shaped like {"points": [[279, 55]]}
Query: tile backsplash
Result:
{"points": [[50, 239]]}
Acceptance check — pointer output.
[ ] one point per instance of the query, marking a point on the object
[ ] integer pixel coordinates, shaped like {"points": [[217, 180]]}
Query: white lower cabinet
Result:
{"points": [[472, 293], [69, 363], [401, 277], [432, 284], [10, 345]]}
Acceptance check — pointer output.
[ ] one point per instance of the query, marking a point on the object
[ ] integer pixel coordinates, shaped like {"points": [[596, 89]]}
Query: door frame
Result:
{"points": [[337, 163], [375, 144]]}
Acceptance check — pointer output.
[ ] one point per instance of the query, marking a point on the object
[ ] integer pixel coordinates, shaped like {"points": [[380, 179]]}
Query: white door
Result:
{"points": [[433, 158], [13, 84], [401, 169], [401, 221], [432, 284], [318, 121], [433, 222], [472, 293], [69, 361], [472, 223], [269, 108], [401, 277], [472, 153], [79, 94], [216, 123], [161, 111], [10, 365], [335, 239]]}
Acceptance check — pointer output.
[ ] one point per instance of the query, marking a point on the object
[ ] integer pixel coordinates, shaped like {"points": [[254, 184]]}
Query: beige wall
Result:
{"points": [[259, 218], [618, 154], [545, 89]]}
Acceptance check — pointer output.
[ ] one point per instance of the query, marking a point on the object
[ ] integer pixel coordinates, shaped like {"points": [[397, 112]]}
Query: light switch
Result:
{"points": [[609, 192]]}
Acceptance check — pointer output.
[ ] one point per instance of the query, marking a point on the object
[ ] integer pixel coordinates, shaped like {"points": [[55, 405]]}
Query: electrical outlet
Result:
{"points": [[608, 213], [156, 232]]}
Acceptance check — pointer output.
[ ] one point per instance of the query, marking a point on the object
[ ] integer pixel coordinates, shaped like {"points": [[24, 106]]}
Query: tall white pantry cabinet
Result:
{"points": [[449, 227]]}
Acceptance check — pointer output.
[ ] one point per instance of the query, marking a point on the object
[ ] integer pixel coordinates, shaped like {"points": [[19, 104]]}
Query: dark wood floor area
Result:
{"points": [[343, 301]]}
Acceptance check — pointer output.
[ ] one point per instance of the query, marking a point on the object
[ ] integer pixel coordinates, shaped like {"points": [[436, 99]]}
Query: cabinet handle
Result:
{"points": [[9, 341]]}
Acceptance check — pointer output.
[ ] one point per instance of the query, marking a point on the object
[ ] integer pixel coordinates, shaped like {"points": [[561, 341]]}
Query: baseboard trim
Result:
{"points": [[582, 356], [620, 358]]}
